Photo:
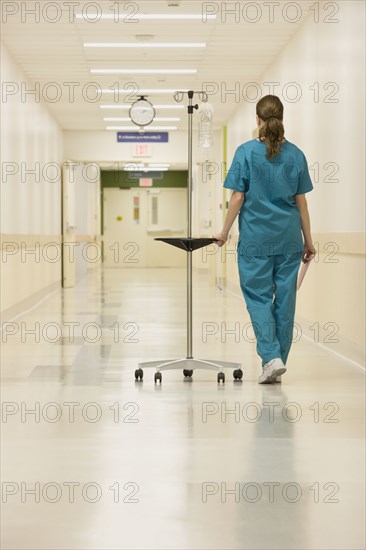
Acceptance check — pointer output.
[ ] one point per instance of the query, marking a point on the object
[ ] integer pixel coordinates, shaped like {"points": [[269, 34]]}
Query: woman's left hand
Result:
{"points": [[220, 238]]}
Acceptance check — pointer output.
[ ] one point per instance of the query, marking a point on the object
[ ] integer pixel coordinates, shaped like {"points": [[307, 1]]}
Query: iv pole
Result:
{"points": [[189, 244], [179, 97]]}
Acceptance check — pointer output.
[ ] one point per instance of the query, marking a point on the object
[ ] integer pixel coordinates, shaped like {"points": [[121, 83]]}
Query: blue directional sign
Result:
{"points": [[151, 137]]}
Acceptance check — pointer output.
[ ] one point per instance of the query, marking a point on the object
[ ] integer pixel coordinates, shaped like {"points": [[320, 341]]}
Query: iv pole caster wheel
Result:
{"points": [[139, 374], [238, 374], [221, 377], [187, 373], [158, 377]]}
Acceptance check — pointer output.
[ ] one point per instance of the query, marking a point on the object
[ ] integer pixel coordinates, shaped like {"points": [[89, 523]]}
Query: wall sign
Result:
{"points": [[145, 182], [152, 137], [139, 174], [141, 150]]}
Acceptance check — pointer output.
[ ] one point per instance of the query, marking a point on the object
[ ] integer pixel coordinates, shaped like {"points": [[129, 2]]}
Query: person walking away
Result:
{"points": [[269, 178]]}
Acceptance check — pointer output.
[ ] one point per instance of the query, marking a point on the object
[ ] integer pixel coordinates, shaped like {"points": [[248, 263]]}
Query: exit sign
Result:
{"points": [[145, 182], [141, 150]]}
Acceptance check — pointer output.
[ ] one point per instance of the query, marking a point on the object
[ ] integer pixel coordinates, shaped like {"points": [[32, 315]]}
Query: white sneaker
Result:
{"points": [[271, 370]]}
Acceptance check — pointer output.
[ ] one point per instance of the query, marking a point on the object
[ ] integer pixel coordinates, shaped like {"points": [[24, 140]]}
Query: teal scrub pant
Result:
{"points": [[268, 284]]}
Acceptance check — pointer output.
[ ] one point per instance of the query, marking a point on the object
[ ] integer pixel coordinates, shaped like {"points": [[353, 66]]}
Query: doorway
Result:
{"points": [[133, 217]]}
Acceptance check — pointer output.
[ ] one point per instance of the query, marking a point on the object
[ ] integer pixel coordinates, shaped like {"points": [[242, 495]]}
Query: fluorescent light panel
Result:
{"points": [[136, 128], [138, 16], [131, 166], [143, 71], [144, 169], [125, 106], [142, 92], [144, 44], [128, 119]]}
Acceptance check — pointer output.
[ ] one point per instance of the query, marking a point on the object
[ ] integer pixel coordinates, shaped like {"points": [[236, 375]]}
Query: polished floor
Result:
{"points": [[104, 462]]}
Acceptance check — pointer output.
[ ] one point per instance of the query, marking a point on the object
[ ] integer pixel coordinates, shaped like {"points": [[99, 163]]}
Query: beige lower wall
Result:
{"points": [[30, 267], [331, 300]]}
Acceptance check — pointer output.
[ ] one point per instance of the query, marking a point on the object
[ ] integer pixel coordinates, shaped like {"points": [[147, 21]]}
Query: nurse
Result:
{"points": [[269, 177]]}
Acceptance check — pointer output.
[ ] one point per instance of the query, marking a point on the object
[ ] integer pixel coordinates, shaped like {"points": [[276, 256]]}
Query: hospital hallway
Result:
{"points": [[95, 452]]}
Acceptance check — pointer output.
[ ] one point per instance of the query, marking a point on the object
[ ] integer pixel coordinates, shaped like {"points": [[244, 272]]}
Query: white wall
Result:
{"points": [[30, 209], [327, 133]]}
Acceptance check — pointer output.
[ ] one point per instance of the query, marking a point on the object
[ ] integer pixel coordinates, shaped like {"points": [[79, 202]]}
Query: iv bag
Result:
{"points": [[205, 112]]}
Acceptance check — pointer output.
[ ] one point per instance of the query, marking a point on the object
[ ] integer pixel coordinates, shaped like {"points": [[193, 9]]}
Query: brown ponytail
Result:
{"points": [[270, 110]]}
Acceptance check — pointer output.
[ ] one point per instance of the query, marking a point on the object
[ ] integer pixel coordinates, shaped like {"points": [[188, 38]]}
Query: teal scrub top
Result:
{"points": [[269, 220]]}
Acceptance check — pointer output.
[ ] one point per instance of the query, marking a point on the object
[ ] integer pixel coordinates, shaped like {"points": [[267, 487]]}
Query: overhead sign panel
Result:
{"points": [[152, 137]]}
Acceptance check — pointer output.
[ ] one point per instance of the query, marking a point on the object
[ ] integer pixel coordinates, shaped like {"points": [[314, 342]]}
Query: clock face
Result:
{"points": [[142, 112]]}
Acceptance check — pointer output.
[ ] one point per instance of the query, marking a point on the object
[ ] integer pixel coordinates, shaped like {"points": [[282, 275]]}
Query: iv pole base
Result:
{"points": [[189, 365]]}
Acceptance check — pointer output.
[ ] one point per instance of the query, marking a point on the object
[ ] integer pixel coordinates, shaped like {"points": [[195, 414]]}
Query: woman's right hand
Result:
{"points": [[220, 238], [309, 250]]}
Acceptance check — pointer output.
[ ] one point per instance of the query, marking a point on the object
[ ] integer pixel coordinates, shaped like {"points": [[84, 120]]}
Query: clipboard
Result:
{"points": [[303, 269]]}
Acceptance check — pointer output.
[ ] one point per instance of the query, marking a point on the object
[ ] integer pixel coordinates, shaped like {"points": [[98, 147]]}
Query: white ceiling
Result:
{"points": [[54, 52]]}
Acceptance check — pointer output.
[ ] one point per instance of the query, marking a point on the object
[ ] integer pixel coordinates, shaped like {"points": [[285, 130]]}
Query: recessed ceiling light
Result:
{"points": [[131, 17], [131, 166], [117, 119], [168, 106], [136, 128], [128, 119], [128, 106], [143, 45], [143, 71], [141, 92]]}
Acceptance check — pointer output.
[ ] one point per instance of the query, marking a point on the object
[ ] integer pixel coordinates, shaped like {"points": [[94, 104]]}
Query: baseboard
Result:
{"points": [[345, 348], [10, 313]]}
